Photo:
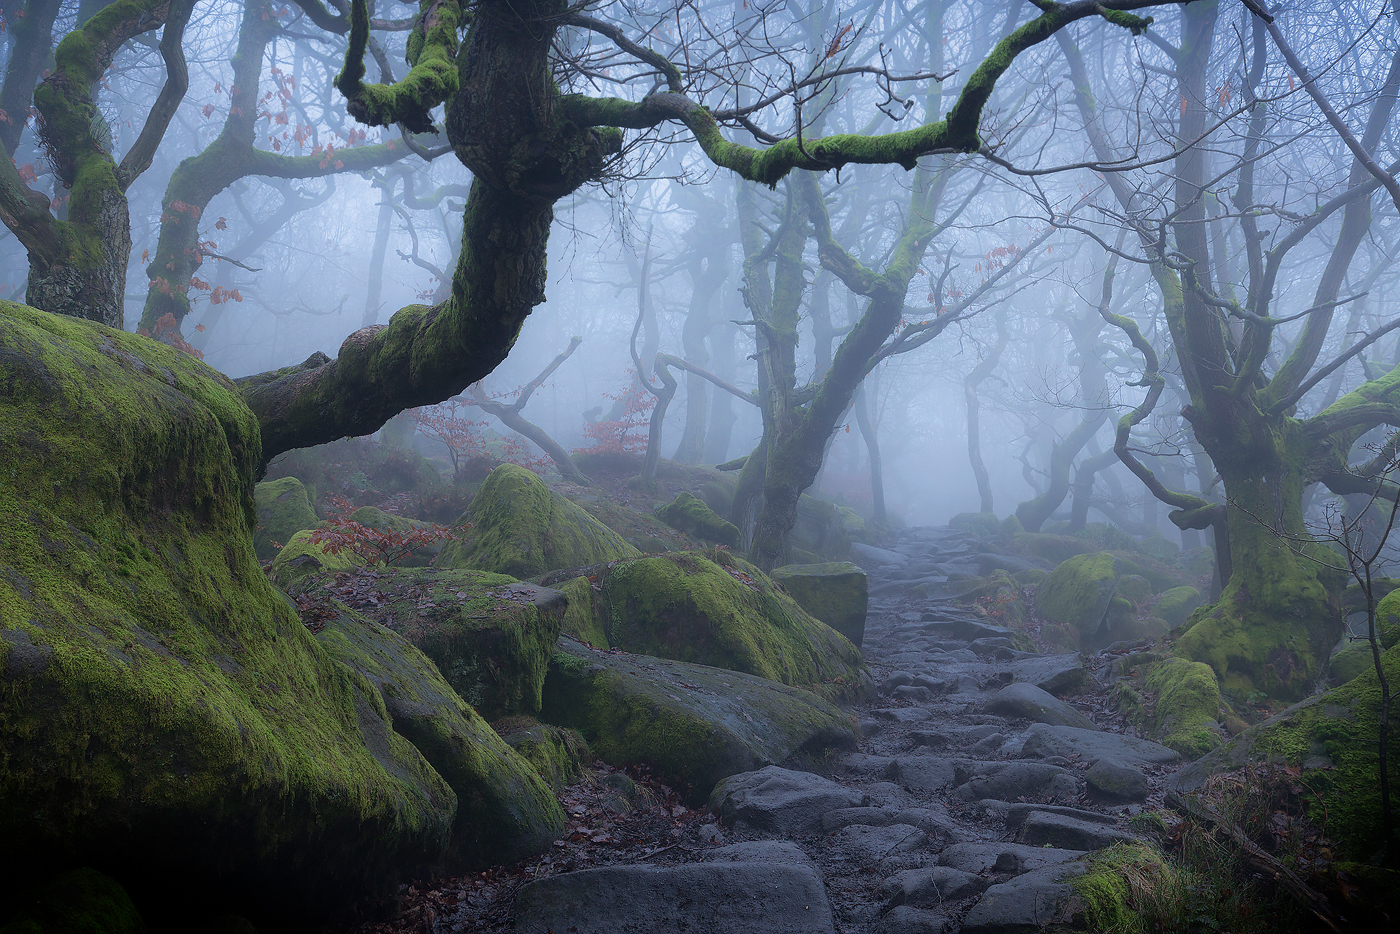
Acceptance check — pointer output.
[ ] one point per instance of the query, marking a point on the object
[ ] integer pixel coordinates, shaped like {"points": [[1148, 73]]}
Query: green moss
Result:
{"points": [[689, 514], [83, 901], [163, 706], [283, 510], [1188, 703], [560, 755], [1079, 594], [1131, 888], [581, 618], [301, 556], [981, 524], [714, 608], [836, 592], [489, 634], [1350, 662], [522, 528], [1388, 619], [1053, 548], [1177, 604], [1134, 587]]}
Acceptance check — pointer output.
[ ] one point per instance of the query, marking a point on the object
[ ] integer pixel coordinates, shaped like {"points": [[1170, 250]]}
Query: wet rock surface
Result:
{"points": [[985, 776]]}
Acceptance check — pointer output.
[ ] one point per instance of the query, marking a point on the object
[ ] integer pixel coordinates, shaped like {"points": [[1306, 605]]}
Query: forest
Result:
{"points": [[763, 466]]}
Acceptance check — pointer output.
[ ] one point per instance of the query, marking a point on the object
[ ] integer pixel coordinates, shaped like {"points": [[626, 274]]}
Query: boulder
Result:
{"points": [[837, 593], [1117, 782], [1330, 739], [930, 887], [491, 635], [82, 901], [420, 555], [981, 524], [560, 755], [688, 513], [1056, 674], [284, 509], [781, 801], [1388, 619], [1044, 828], [693, 724], [1026, 700], [504, 811], [1079, 594], [1176, 605], [1094, 745], [1188, 705], [522, 528], [714, 608], [1040, 900], [168, 720], [300, 556], [748, 890]]}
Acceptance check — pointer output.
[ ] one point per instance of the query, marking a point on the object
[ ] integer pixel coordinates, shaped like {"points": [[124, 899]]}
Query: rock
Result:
{"points": [[83, 901], [1176, 604], [284, 509], [966, 628], [1188, 702], [931, 887], [1018, 781], [902, 714], [557, 753], [1388, 619], [1078, 594], [904, 919], [301, 556], [778, 800], [164, 706], [1014, 813], [1055, 674], [504, 810], [762, 896], [981, 524], [1117, 782], [713, 608], [822, 531], [522, 528], [879, 556], [1004, 857], [1041, 828], [837, 593], [1040, 900], [687, 513], [1027, 700], [420, 555], [928, 774], [694, 725], [491, 635], [1331, 739], [1094, 745], [866, 844], [1053, 549], [932, 822], [1134, 587]]}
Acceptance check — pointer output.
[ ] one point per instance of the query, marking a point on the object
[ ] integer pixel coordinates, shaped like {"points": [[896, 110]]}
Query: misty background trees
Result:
{"points": [[1053, 262]]}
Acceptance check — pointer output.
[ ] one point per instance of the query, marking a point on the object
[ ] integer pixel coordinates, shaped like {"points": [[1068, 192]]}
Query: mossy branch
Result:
{"points": [[432, 77]]}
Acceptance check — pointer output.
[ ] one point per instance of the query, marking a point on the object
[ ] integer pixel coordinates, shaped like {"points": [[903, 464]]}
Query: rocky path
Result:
{"points": [[985, 775]]}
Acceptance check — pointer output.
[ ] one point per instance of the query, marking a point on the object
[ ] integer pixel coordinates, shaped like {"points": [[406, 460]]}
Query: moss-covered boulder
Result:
{"points": [[167, 718], [1134, 587], [1177, 604], [1351, 661], [688, 513], [300, 556], [284, 509], [421, 555], [641, 530], [522, 528], [490, 635], [1055, 549], [691, 723], [559, 755], [981, 524], [819, 532], [1331, 738], [1160, 575], [504, 810], [83, 901], [836, 592], [1388, 619], [1188, 706], [1079, 594], [714, 608]]}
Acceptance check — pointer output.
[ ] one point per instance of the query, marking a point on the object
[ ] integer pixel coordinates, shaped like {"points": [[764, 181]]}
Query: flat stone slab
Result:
{"points": [[903, 919], [1117, 782], [877, 844], [902, 714], [1014, 814], [1017, 781], [879, 556], [1053, 673], [1036, 901], [1070, 833], [964, 628], [1047, 740], [1028, 701], [778, 800], [930, 887], [1013, 858], [745, 896]]}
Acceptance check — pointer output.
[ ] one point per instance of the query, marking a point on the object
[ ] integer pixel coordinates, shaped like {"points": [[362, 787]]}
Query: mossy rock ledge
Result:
{"points": [[836, 592], [522, 528], [688, 513], [1079, 594], [712, 608], [694, 724], [167, 718], [1331, 738], [489, 634]]}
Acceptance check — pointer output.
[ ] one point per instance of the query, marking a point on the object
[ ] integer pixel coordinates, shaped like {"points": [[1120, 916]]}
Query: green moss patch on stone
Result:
{"points": [[489, 634], [83, 901], [688, 513], [1053, 548], [1188, 705], [693, 724], [1160, 575], [835, 592], [504, 811], [581, 617], [163, 705], [981, 524], [641, 530], [284, 509], [1350, 662], [559, 754], [1079, 594], [524, 529], [1331, 738], [1177, 604], [301, 556], [1388, 619], [714, 608], [373, 517]]}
